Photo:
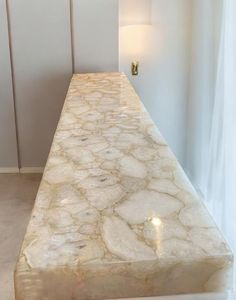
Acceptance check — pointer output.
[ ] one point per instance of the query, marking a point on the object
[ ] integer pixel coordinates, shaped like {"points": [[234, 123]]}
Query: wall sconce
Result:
{"points": [[135, 15], [135, 68]]}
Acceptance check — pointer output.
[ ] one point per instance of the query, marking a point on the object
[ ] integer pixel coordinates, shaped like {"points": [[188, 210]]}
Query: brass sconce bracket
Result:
{"points": [[135, 68]]}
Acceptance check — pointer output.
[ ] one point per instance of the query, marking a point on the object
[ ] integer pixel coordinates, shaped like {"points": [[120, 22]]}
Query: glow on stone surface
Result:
{"points": [[156, 222]]}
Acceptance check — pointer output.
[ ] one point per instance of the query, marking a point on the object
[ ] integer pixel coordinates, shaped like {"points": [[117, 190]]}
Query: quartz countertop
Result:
{"points": [[115, 215]]}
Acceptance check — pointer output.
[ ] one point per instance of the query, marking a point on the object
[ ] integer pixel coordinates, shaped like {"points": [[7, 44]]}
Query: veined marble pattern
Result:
{"points": [[115, 215]]}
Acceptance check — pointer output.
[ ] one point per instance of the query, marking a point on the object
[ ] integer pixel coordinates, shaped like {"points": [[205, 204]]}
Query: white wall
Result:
{"points": [[8, 147], [164, 68], [44, 36], [41, 48], [205, 38], [95, 26]]}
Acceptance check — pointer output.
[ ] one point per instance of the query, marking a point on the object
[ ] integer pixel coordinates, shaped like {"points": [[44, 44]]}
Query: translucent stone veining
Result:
{"points": [[115, 215]]}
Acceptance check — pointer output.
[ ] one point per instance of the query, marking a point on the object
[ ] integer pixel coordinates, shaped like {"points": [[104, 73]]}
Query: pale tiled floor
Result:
{"points": [[17, 195], [224, 296]]}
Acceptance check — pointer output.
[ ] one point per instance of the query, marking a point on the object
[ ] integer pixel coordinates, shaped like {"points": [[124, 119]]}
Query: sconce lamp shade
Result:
{"points": [[135, 12]]}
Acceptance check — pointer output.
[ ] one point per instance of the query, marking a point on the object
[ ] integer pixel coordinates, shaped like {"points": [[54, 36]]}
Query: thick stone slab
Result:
{"points": [[115, 215]]}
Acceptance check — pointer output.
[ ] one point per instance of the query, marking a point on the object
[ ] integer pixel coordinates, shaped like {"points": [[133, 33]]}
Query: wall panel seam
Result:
{"points": [[13, 82], [72, 35]]}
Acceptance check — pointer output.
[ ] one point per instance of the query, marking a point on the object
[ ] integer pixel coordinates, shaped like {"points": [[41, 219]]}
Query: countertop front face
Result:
{"points": [[115, 215]]}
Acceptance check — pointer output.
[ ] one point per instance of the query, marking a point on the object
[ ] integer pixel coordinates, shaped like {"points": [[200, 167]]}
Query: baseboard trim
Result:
{"points": [[9, 171], [32, 170]]}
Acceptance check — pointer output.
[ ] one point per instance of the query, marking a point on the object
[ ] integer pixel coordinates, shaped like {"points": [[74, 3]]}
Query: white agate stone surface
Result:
{"points": [[163, 186], [143, 205], [131, 167], [123, 242], [115, 215]]}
